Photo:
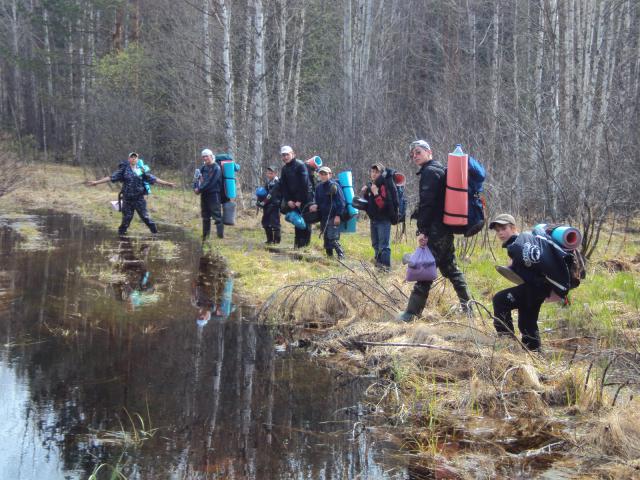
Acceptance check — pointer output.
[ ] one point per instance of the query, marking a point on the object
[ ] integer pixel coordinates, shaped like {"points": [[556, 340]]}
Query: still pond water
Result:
{"points": [[132, 355]]}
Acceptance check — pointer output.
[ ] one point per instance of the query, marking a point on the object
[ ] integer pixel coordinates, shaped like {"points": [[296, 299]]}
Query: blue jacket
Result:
{"points": [[210, 181], [330, 199], [132, 181], [294, 182]]}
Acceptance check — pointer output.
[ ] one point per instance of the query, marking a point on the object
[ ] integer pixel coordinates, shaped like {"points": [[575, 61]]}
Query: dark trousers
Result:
{"points": [[271, 223], [129, 206], [527, 300], [331, 237], [444, 252], [210, 206], [302, 238]]}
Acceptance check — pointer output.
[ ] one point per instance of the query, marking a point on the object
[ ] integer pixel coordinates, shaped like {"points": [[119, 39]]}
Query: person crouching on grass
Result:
{"points": [[133, 180], [527, 297], [331, 204]]}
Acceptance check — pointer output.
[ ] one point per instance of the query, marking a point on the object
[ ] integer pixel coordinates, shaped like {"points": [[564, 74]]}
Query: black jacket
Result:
{"points": [[374, 211], [431, 206], [132, 181], [211, 180], [294, 182]]}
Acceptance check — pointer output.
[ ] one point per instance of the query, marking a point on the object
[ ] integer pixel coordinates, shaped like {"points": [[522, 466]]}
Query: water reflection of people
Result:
{"points": [[212, 291], [134, 285]]}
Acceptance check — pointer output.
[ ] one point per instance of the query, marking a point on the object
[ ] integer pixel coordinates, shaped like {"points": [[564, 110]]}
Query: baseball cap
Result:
{"points": [[419, 143], [502, 219], [206, 153], [133, 154], [285, 149], [324, 169], [378, 166], [271, 168]]}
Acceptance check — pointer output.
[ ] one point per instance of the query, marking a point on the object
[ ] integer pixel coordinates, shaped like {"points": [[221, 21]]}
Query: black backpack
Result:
{"points": [[397, 202]]}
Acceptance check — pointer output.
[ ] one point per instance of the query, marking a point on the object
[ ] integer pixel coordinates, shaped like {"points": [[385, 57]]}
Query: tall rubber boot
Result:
{"points": [[339, 250], [220, 230], [417, 301], [269, 235], [276, 235], [206, 228]]}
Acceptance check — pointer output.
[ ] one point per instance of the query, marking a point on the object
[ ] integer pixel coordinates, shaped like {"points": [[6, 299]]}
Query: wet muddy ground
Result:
{"points": [[136, 355]]}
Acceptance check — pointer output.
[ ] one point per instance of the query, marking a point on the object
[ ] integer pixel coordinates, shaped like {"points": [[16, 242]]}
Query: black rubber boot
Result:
{"points": [[206, 228], [269, 232], [220, 230], [276, 235]]}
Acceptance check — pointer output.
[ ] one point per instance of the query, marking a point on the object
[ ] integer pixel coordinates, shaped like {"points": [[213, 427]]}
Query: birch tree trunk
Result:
{"points": [[495, 77], [229, 124], [208, 73], [298, 76], [259, 89], [280, 72], [18, 107], [347, 69]]}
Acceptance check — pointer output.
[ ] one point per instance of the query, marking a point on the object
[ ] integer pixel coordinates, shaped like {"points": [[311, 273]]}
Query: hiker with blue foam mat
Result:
{"points": [[208, 184], [527, 296], [432, 232], [331, 204], [135, 180], [297, 192]]}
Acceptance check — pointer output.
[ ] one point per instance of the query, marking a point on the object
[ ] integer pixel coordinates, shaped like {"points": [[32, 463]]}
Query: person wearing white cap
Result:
{"points": [[296, 190], [133, 191], [432, 232], [208, 184]]}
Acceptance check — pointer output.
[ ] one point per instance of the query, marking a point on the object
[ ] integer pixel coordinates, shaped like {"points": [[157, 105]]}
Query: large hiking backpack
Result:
{"points": [[398, 203], [569, 239], [475, 203]]}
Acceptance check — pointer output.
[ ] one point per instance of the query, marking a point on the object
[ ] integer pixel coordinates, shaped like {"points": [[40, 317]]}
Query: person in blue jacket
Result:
{"points": [[208, 184], [133, 179], [296, 190], [331, 205]]}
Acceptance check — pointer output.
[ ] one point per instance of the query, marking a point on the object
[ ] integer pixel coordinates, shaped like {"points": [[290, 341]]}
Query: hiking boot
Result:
{"points": [[406, 317]]}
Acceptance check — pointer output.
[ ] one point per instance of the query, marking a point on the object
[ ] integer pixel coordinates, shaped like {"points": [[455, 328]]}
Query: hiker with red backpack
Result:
{"points": [[378, 197], [432, 232]]}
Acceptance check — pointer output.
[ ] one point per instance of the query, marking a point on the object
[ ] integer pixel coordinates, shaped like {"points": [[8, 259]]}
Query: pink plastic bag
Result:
{"points": [[421, 266]]}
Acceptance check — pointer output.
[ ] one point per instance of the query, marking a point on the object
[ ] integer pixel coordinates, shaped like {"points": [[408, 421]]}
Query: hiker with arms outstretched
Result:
{"points": [[133, 179]]}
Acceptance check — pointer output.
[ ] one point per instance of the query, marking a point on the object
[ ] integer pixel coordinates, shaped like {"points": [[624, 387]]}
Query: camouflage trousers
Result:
{"points": [[444, 252], [129, 206]]}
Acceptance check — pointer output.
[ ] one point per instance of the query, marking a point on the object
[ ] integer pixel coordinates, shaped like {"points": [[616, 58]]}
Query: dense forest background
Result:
{"points": [[544, 92]]}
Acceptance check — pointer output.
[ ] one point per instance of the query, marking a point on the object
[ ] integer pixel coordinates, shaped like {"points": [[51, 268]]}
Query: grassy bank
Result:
{"points": [[460, 394]]}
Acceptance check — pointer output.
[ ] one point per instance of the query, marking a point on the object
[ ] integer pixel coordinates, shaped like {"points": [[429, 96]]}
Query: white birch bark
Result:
{"points": [[280, 72], [298, 76], [208, 73], [259, 89], [18, 109], [347, 68], [229, 124], [495, 76]]}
